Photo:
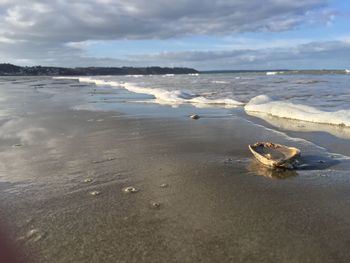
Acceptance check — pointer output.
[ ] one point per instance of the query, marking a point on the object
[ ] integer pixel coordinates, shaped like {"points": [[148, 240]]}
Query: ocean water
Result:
{"points": [[313, 98], [288, 101], [310, 94]]}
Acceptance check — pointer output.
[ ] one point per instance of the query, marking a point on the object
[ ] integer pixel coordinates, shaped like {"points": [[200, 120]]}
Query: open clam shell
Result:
{"points": [[275, 155]]}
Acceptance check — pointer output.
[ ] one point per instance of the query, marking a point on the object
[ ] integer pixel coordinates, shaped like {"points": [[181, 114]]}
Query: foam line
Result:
{"points": [[283, 109]]}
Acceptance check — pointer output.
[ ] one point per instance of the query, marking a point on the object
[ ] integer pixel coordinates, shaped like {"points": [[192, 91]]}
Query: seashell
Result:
{"points": [[275, 155]]}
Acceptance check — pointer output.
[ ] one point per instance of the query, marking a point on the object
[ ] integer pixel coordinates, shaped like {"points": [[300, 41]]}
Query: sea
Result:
{"points": [[312, 105], [317, 98], [285, 100]]}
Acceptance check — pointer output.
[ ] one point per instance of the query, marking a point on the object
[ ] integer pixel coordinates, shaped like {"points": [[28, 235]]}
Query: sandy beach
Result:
{"points": [[201, 196]]}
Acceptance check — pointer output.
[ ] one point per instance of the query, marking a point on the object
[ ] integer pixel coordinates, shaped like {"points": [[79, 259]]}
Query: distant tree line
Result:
{"points": [[13, 70]]}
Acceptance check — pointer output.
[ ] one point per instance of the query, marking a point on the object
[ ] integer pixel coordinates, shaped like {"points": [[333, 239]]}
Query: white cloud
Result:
{"points": [[58, 32], [138, 19], [302, 55]]}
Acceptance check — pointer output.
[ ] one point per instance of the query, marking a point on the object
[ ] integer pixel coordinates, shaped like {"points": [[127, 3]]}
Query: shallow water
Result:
{"points": [[295, 102], [325, 92], [109, 94]]}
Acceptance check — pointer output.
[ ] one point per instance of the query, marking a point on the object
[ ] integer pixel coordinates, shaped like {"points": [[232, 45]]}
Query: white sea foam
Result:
{"points": [[134, 76], [274, 72], [271, 73], [98, 82], [347, 71], [172, 97], [179, 96], [283, 109], [219, 82], [64, 77]]}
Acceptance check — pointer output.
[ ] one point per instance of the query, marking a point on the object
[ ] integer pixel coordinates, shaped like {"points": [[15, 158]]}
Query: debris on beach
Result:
{"points": [[164, 185], [34, 235], [130, 189], [195, 117], [32, 232], [155, 205], [88, 180], [275, 155], [94, 193], [17, 145]]}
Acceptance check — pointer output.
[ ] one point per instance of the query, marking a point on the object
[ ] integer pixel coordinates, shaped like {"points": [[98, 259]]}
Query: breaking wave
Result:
{"points": [[283, 109], [171, 97]]}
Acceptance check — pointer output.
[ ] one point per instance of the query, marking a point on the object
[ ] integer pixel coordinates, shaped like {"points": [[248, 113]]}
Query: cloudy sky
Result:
{"points": [[204, 34]]}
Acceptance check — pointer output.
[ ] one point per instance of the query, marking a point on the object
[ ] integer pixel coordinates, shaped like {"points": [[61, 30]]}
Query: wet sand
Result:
{"points": [[216, 204]]}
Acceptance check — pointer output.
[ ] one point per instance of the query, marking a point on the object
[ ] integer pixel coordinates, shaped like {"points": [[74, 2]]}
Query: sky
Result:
{"points": [[203, 34]]}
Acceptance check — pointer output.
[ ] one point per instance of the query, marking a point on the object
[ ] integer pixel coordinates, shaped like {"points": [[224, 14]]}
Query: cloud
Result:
{"points": [[67, 21], [304, 55], [55, 32]]}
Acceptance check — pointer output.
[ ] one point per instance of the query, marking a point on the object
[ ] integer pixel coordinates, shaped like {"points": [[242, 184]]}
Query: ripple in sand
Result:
{"points": [[104, 160]]}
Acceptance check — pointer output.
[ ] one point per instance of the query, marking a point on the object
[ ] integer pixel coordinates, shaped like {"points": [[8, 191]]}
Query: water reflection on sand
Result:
{"points": [[256, 168], [303, 126]]}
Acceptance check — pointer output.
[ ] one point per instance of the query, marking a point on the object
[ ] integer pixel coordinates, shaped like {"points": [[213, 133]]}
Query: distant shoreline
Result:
{"points": [[280, 71], [7, 69], [13, 70]]}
